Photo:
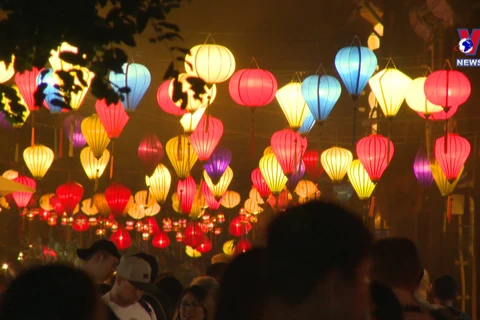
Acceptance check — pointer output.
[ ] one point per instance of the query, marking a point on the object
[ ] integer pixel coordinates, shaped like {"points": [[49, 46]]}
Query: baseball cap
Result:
{"points": [[136, 271], [100, 245]]}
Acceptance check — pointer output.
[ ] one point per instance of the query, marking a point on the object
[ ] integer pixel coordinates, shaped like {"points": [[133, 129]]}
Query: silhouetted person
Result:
{"points": [[217, 270], [445, 292], [385, 305], [208, 283], [171, 286], [195, 304]]}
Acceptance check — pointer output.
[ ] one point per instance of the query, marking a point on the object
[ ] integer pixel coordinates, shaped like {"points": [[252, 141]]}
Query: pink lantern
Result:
{"points": [[288, 147], [375, 153], [165, 102], [454, 158], [150, 153], [186, 191], [206, 137], [23, 198]]}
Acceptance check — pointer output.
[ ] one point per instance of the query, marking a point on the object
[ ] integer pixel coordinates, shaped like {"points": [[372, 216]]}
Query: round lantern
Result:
{"points": [[238, 227], [211, 62], [447, 88], [260, 183], [252, 87], [161, 240], [38, 159], [360, 180], [375, 153], [117, 197], [181, 155], [242, 246], [92, 166], [27, 84], [190, 121], [305, 188], [206, 137], [252, 207], [95, 135], [186, 191], [194, 101], [441, 115], [72, 127], [321, 93], [159, 183], [70, 194], [231, 199], [454, 158], [218, 163], [312, 164], [113, 117], [293, 104], [23, 198], [121, 238], [137, 78], [205, 247], [165, 102], [150, 152], [307, 123], [335, 161], [193, 235], [288, 147], [416, 99], [355, 65], [421, 169], [80, 223], [273, 174], [389, 87], [221, 187], [444, 186], [6, 72]]}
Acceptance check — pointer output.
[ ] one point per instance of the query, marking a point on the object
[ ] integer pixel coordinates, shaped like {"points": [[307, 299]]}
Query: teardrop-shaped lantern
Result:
{"points": [[95, 134], [23, 198], [70, 194], [212, 202], [137, 78], [288, 147], [159, 183], [221, 187], [360, 180], [293, 104], [53, 97], [113, 117], [273, 174], [375, 152], [186, 191], [6, 72], [27, 84], [206, 137], [313, 165], [307, 123], [321, 93], [165, 101], [92, 166], [211, 62], [218, 163], [422, 169], [117, 197], [416, 99], [150, 152], [447, 88], [444, 186], [260, 183], [457, 154], [336, 161], [252, 87], [181, 155], [75, 136], [190, 121], [38, 159]]}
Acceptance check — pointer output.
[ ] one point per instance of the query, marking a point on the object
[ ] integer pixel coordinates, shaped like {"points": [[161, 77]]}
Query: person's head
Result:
{"points": [[216, 270], [195, 304], [152, 262], [445, 290], [100, 260], [424, 287], [318, 258], [396, 263], [171, 286], [53, 292], [207, 283], [385, 305]]}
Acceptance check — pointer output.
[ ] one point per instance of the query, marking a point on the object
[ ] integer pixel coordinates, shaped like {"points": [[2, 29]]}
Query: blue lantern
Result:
{"points": [[355, 65], [321, 93], [137, 78], [49, 77], [307, 123]]}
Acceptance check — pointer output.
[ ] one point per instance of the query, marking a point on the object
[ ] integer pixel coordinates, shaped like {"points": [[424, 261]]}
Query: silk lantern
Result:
{"points": [[313, 165], [221, 187], [293, 104], [305, 188], [72, 127], [121, 238], [444, 186], [205, 246], [117, 197], [375, 153], [181, 155], [335, 162], [307, 123], [206, 137], [150, 152], [416, 99], [211, 62], [190, 121], [360, 180], [94, 167], [95, 135], [23, 198], [441, 115], [38, 159], [457, 154], [136, 78], [288, 147], [294, 178], [260, 183], [217, 163], [194, 102], [113, 117], [186, 191], [159, 183], [231, 199], [211, 201], [421, 168], [447, 88], [52, 94], [165, 101], [7, 72], [321, 93], [273, 174], [70, 194], [57, 63], [161, 240], [252, 87], [27, 84]]}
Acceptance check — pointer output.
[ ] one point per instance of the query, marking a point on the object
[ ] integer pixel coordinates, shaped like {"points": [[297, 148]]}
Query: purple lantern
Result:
{"points": [[78, 140], [4, 123], [294, 178], [422, 170], [218, 163]]}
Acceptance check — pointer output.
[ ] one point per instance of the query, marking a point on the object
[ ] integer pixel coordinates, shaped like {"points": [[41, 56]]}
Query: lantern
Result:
{"points": [[416, 99], [72, 126], [95, 135], [205, 247], [255, 195], [447, 88], [272, 172], [305, 188], [267, 150], [23, 198], [242, 246], [444, 186], [288, 147], [389, 87], [190, 121], [295, 177], [312, 164], [57, 205], [78, 97], [92, 166], [117, 197], [238, 227], [121, 238], [186, 191], [44, 202], [27, 84], [211, 62], [209, 197], [193, 235], [6, 72], [217, 163], [57, 63], [252, 87], [101, 203], [159, 183], [321, 93], [260, 183], [70, 194], [441, 115], [165, 102], [421, 169], [454, 158], [375, 153], [252, 207], [89, 208], [53, 96], [355, 65], [229, 247], [161, 240], [206, 137], [221, 187], [192, 253], [360, 180], [307, 123], [80, 223], [335, 161], [38, 159], [293, 104], [373, 41], [150, 152], [113, 117], [194, 101], [231, 199], [137, 78], [181, 155]]}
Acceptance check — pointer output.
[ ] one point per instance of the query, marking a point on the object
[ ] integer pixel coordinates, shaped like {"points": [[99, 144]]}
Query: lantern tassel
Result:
{"points": [[70, 144], [252, 131], [449, 208], [446, 136], [60, 143], [112, 160], [33, 131], [371, 212]]}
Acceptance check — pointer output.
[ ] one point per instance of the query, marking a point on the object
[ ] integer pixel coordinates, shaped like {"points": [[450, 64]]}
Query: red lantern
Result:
{"points": [[193, 235], [152, 225], [453, 160], [186, 191], [375, 153], [113, 117], [117, 197], [23, 198], [165, 101], [260, 184], [205, 247], [121, 238], [312, 164], [161, 240], [253, 87], [239, 227], [70, 194], [80, 222], [441, 115], [447, 88], [288, 147], [212, 203], [150, 152], [242, 246], [27, 84], [206, 137], [280, 202], [57, 205]]}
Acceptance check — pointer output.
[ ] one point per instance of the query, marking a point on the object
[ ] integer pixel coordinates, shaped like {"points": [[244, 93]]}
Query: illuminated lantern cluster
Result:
{"points": [[293, 104], [137, 78], [38, 159], [211, 62], [321, 93], [454, 158], [375, 153], [252, 87], [336, 161], [206, 137]]}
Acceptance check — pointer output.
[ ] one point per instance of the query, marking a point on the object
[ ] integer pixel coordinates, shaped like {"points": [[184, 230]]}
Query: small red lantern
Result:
{"points": [[280, 202], [27, 84], [161, 240], [239, 227], [206, 137], [179, 237], [150, 153], [253, 87], [375, 153], [205, 247], [313, 166], [447, 88], [260, 184], [242, 246], [186, 191], [121, 238], [288, 147], [117, 197], [193, 235], [165, 101], [212, 203], [152, 226], [113, 117], [80, 223], [23, 198], [57, 205], [453, 160], [70, 194]]}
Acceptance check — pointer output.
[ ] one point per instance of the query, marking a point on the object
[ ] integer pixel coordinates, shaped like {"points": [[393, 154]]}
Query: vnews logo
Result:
{"points": [[468, 45]]}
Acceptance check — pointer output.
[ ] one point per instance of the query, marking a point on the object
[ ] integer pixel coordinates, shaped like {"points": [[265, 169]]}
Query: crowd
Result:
{"points": [[320, 261]]}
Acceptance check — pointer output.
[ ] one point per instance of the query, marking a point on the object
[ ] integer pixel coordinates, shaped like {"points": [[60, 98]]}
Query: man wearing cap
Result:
{"points": [[99, 261], [132, 279]]}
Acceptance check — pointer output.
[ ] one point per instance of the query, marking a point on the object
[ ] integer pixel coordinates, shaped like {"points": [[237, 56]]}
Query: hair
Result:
{"points": [[203, 298], [53, 292], [217, 270], [307, 242], [396, 263], [208, 283], [385, 303], [244, 289], [152, 261], [171, 286], [445, 288]]}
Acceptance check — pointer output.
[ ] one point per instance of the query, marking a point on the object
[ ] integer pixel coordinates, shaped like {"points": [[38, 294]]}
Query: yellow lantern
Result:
{"points": [[229, 247], [159, 183], [193, 103], [44, 202], [7, 72], [95, 135], [255, 196], [130, 204], [272, 173], [38, 159], [360, 180], [77, 97], [10, 174], [416, 99], [101, 204], [211, 62], [176, 203], [152, 210], [144, 198], [4, 203], [267, 150], [57, 63], [373, 42], [252, 207], [189, 121], [192, 253], [136, 211], [231, 199], [94, 167], [196, 211], [8, 109], [221, 187], [293, 104], [444, 186], [181, 155], [389, 87], [335, 161], [89, 208], [305, 188]]}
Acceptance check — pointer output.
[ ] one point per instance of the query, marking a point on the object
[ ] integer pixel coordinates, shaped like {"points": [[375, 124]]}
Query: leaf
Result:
{"points": [[169, 36], [128, 40], [125, 90], [170, 26], [182, 50], [142, 20], [73, 58], [170, 73]]}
